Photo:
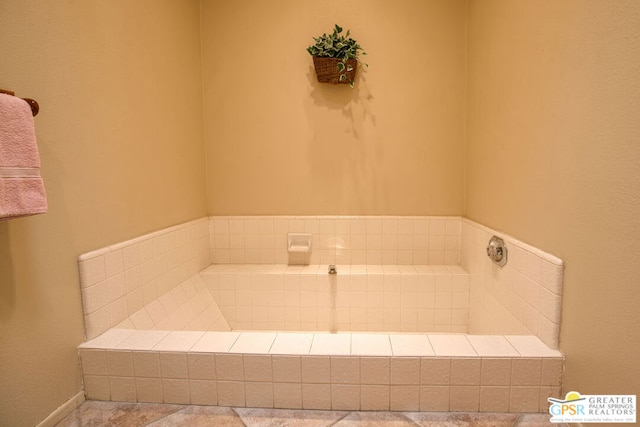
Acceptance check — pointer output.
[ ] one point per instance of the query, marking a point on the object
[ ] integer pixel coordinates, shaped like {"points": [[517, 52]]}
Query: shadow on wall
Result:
{"points": [[342, 146], [354, 103]]}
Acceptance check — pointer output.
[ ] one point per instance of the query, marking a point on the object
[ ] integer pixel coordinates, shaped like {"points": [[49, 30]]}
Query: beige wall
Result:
{"points": [[120, 136], [278, 142], [553, 157]]}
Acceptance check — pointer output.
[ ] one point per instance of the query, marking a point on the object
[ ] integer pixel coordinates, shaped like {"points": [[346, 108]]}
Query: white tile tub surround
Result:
{"points": [[188, 306], [523, 297], [373, 298], [397, 372], [158, 286], [119, 280], [337, 239], [134, 283]]}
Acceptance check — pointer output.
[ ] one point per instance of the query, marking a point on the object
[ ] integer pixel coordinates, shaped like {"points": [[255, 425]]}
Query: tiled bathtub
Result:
{"points": [[164, 327]]}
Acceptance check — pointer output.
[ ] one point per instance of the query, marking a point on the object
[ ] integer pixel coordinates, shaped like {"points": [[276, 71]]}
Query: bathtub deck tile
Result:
{"points": [[179, 341], [292, 343], [370, 345], [253, 343], [109, 339], [142, 340], [452, 345], [331, 344], [411, 345], [492, 346], [531, 346], [215, 342]]}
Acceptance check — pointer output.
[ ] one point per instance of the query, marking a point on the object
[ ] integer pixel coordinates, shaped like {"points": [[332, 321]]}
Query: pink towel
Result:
{"points": [[21, 186]]}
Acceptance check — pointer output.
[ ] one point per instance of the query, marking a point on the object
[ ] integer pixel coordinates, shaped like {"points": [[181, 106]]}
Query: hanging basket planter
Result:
{"points": [[334, 70], [335, 57]]}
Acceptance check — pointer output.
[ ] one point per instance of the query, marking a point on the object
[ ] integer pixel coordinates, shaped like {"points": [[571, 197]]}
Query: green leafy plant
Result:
{"points": [[339, 46]]}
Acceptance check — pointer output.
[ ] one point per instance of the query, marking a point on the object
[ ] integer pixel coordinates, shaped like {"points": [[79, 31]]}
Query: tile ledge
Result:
{"points": [[527, 346], [107, 249], [544, 255]]}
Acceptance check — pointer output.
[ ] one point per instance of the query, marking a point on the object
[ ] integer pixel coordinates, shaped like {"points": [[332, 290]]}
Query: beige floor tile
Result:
{"points": [[375, 419], [535, 420], [427, 419], [97, 413], [291, 418], [197, 416]]}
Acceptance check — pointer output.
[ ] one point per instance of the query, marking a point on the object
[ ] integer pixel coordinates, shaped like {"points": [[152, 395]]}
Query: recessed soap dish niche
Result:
{"points": [[299, 248]]}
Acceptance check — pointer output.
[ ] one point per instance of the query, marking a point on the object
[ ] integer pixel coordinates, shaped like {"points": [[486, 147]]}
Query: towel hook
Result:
{"points": [[33, 104]]}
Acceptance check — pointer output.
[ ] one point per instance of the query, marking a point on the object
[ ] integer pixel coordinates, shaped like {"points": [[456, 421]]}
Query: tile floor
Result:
{"points": [[98, 413]]}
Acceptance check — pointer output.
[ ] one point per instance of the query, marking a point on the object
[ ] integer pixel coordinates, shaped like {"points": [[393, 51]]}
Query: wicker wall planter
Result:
{"points": [[327, 70]]}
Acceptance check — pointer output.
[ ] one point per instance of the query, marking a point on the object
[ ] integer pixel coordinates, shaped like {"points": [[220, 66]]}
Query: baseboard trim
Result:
{"points": [[65, 409]]}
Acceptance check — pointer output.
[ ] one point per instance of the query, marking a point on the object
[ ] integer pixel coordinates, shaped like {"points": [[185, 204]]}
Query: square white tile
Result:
{"points": [[492, 345], [531, 346], [109, 339], [331, 344], [291, 343], [411, 345], [253, 343], [452, 345], [179, 341], [215, 342], [370, 345], [141, 340]]}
